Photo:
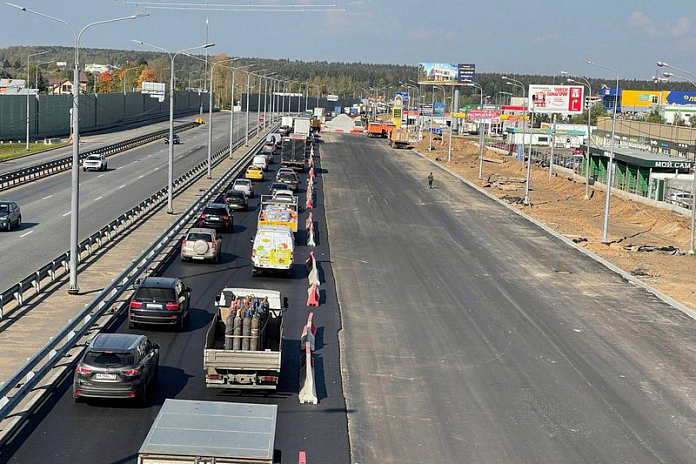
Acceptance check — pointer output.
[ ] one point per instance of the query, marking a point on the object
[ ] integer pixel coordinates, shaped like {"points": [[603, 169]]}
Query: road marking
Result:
{"points": [[122, 186], [66, 214], [119, 168], [26, 233], [47, 197], [156, 168], [98, 198], [100, 175], [140, 177]]}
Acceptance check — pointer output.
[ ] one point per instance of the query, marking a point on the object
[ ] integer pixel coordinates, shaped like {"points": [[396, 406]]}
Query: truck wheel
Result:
{"points": [[254, 272], [131, 324]]}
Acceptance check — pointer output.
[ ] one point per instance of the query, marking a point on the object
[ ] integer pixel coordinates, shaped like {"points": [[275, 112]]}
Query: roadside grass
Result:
{"points": [[13, 150]]}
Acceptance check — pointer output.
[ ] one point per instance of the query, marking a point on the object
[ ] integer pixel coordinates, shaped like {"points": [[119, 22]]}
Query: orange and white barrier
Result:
{"points": [[308, 223], [308, 389], [311, 172], [309, 332], [302, 459], [309, 204], [313, 295]]}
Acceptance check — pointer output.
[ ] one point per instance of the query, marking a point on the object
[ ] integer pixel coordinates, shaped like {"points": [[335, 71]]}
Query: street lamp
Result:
{"points": [[75, 169], [481, 138], [27, 89], [123, 77], [234, 70], [662, 64], [516, 83], [432, 113], [589, 131], [605, 225], [172, 57]]}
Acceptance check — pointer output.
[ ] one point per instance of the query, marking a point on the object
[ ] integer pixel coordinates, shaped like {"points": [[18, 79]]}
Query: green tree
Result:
{"points": [[596, 111], [655, 117]]}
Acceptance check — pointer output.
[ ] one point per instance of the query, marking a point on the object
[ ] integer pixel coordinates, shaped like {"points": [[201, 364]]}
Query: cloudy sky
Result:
{"points": [[512, 36]]}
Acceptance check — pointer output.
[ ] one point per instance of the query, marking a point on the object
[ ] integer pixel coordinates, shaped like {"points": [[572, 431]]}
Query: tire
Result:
{"points": [[182, 323], [254, 272], [132, 325], [142, 397], [216, 260], [84, 169], [19, 222], [9, 225], [77, 399]]}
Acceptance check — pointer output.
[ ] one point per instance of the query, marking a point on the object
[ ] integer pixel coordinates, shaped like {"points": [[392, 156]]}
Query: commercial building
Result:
{"points": [[666, 139], [544, 136]]}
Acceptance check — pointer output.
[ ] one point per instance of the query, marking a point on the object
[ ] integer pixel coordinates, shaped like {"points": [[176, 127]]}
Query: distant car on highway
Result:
{"points": [[282, 170], [96, 162], [217, 216], [235, 199], [245, 186], [275, 187], [254, 173], [175, 139], [260, 161], [160, 301], [290, 179], [117, 366], [201, 244], [10, 215], [578, 151]]}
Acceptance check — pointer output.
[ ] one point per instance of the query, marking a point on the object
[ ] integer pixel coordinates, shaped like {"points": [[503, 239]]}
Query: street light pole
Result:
{"points": [[26, 87], [605, 225], [481, 137], [234, 70], [75, 169], [516, 83], [210, 112], [170, 170], [123, 77]]}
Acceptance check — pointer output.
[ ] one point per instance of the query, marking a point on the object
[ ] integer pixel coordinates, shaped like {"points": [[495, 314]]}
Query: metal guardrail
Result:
{"points": [[15, 389], [39, 171], [60, 265]]}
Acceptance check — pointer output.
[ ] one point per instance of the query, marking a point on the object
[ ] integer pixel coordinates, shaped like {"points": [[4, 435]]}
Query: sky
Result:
{"points": [[509, 36]]}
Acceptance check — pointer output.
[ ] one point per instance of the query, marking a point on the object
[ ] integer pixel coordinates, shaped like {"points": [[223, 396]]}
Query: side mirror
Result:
{"points": [[285, 302], [252, 239], [156, 346], [188, 289]]}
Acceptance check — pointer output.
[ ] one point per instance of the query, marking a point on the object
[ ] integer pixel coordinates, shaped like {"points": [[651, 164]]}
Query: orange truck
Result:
{"points": [[398, 138], [379, 129]]}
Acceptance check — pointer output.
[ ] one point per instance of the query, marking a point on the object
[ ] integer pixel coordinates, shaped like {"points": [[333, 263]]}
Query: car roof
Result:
{"points": [[201, 230], [255, 168], [236, 193], [242, 181], [115, 342], [158, 282]]}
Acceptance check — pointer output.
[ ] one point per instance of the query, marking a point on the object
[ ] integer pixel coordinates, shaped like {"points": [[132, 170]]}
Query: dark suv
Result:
{"points": [[216, 216], [117, 366], [10, 215], [290, 179], [235, 199], [160, 300]]}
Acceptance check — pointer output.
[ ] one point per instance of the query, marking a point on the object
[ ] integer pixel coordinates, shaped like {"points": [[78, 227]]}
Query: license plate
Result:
{"points": [[198, 257], [153, 306], [105, 376], [213, 218]]}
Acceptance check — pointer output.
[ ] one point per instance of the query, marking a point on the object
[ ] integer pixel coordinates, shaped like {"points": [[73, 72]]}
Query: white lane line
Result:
{"points": [[141, 176], [47, 197], [98, 198], [149, 155], [26, 233], [100, 175], [156, 168], [67, 214], [120, 167], [122, 186]]}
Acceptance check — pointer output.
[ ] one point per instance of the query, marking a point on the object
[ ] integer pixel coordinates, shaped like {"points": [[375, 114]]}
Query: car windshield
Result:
{"points": [[287, 176], [254, 168], [108, 359], [242, 182], [279, 187], [156, 294], [234, 194], [199, 236], [94, 157], [219, 211], [4, 208]]}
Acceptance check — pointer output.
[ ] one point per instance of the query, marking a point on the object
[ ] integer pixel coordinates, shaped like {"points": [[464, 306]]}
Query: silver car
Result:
{"points": [[201, 244], [10, 215], [245, 186], [96, 162]]}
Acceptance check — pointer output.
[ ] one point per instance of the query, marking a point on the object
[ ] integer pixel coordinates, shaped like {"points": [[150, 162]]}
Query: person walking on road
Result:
{"points": [[430, 180]]}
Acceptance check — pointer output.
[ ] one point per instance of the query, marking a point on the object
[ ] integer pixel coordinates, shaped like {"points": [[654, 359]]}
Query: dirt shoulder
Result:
{"points": [[645, 241]]}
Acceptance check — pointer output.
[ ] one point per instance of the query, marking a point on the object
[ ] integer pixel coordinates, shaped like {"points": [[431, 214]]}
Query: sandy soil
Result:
{"points": [[634, 228]]}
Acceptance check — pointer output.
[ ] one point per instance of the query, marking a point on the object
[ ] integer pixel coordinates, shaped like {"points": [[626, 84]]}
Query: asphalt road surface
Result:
{"points": [[132, 176], [112, 432], [472, 336], [92, 141]]}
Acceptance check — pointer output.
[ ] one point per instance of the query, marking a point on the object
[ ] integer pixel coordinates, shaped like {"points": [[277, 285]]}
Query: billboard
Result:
{"points": [[403, 95], [565, 99], [154, 89], [446, 73], [332, 98], [438, 109]]}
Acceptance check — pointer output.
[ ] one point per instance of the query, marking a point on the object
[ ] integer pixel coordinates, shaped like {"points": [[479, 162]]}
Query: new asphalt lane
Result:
{"points": [[472, 336], [112, 432], [132, 176]]}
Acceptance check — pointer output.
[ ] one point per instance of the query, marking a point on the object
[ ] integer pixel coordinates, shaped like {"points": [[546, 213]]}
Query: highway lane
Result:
{"points": [[471, 336], [132, 176], [90, 142], [111, 433]]}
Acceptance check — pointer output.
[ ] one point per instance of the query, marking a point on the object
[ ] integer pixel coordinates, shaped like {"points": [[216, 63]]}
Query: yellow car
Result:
{"points": [[254, 173], [199, 121]]}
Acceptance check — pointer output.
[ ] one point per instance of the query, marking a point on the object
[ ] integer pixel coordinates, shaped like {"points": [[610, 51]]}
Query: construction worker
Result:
{"points": [[430, 180]]}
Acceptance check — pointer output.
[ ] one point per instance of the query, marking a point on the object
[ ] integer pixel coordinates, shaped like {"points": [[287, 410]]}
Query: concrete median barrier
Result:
{"points": [[309, 333], [308, 388], [313, 295]]}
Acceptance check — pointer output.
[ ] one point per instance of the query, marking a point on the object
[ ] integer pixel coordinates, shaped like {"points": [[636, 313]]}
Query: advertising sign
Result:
{"points": [[154, 89], [564, 99], [438, 109], [332, 98], [403, 95], [396, 117], [426, 109], [485, 115], [446, 73], [398, 101]]}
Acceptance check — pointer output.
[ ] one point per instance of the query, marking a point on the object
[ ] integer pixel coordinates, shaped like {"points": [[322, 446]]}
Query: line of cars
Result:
{"points": [[126, 365]]}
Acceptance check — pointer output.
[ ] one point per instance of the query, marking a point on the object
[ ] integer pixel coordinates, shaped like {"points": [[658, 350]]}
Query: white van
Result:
{"points": [[274, 249], [260, 161]]}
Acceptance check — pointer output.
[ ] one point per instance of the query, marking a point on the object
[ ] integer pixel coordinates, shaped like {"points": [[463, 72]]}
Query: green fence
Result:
{"points": [[50, 114]]}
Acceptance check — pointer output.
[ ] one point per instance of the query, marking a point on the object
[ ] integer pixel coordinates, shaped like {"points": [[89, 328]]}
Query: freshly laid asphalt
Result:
{"points": [[112, 432], [132, 176], [472, 336]]}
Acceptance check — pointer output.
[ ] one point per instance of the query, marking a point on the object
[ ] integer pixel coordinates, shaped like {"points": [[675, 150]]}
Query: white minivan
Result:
{"points": [[260, 161], [274, 249]]}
